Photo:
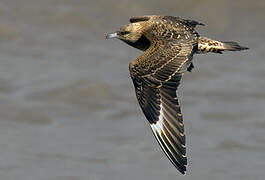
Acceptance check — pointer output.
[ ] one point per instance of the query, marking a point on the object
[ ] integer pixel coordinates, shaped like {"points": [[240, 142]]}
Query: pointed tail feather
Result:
{"points": [[233, 46]]}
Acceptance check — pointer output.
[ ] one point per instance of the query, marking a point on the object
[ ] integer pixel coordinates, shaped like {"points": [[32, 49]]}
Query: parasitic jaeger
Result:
{"points": [[168, 44]]}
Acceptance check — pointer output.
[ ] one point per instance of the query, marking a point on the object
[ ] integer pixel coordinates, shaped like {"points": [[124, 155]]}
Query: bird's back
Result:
{"points": [[169, 36]]}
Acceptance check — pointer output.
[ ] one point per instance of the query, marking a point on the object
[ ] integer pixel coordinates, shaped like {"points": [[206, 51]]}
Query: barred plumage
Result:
{"points": [[206, 45], [169, 44]]}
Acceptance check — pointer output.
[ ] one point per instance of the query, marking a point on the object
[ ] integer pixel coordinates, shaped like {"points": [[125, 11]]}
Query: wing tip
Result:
{"points": [[135, 19], [182, 170], [181, 167]]}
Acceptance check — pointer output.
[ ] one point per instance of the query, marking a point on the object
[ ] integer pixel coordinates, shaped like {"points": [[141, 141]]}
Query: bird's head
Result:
{"points": [[129, 33], [132, 34]]}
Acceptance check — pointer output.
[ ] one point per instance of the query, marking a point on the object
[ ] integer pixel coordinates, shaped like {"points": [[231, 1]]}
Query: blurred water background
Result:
{"points": [[68, 109]]}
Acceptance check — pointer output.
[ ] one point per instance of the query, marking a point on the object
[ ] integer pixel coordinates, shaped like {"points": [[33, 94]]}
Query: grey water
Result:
{"points": [[68, 109]]}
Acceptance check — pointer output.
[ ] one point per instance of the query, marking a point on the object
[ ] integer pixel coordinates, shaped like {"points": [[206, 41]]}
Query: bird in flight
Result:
{"points": [[168, 44]]}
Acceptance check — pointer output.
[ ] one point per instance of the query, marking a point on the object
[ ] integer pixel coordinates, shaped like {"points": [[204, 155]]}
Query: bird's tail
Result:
{"points": [[206, 45]]}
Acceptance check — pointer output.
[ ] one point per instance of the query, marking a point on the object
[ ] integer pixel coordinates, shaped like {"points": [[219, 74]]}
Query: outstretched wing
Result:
{"points": [[156, 75], [156, 93], [160, 105]]}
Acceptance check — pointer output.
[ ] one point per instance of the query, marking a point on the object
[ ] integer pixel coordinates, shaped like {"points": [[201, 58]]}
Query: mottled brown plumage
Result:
{"points": [[169, 44]]}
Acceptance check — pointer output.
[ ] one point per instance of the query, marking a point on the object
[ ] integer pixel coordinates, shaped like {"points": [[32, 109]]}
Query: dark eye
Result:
{"points": [[124, 32]]}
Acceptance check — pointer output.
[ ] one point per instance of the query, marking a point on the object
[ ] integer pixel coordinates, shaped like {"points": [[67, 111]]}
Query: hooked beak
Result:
{"points": [[111, 35]]}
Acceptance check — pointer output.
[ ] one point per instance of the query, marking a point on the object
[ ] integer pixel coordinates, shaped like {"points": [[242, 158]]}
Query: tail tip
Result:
{"points": [[234, 46]]}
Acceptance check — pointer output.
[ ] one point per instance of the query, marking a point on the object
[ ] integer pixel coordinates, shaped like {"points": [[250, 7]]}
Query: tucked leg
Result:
{"points": [[190, 67]]}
